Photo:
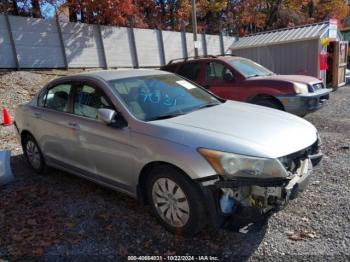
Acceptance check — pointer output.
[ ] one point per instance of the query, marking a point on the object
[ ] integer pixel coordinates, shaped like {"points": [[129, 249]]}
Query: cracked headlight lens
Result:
{"points": [[300, 88], [234, 165]]}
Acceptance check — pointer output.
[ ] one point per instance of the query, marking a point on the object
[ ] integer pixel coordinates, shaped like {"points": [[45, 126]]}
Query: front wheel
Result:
{"points": [[175, 201]]}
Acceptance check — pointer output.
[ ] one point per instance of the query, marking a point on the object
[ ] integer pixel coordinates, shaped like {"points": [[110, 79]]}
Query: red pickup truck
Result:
{"points": [[238, 78]]}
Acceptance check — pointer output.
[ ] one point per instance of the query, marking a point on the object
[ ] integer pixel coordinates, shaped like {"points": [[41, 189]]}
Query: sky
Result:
{"points": [[48, 10]]}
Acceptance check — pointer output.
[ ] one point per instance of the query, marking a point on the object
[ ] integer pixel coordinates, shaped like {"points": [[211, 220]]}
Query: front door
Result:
{"points": [[220, 80], [104, 151]]}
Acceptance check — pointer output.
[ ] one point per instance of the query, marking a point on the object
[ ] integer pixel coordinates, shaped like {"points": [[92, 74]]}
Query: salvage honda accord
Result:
{"points": [[193, 157]]}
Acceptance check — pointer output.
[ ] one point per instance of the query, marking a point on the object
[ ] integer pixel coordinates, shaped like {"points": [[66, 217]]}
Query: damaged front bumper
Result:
{"points": [[302, 104], [254, 199]]}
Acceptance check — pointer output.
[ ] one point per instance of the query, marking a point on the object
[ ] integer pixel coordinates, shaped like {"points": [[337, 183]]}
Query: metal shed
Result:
{"points": [[296, 50]]}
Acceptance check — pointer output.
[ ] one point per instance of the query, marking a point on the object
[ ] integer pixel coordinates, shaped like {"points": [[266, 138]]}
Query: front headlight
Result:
{"points": [[300, 88], [234, 165]]}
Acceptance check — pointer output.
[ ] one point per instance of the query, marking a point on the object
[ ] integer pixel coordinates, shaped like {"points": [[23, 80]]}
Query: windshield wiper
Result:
{"points": [[256, 75], [207, 105], [165, 116]]}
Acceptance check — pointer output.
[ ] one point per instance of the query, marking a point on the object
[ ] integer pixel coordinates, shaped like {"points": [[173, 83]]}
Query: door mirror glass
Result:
{"points": [[108, 116]]}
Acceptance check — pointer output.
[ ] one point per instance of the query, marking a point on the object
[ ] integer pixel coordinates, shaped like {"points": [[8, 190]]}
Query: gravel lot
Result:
{"points": [[61, 216]]}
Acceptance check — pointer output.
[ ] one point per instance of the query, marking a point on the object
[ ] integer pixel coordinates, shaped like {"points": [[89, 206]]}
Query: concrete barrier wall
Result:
{"points": [[82, 45], [213, 44], [6, 56], [39, 43], [116, 42], [174, 46], [147, 46]]}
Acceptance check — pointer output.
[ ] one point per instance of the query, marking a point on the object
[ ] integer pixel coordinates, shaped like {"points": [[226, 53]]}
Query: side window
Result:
{"points": [[217, 71], [56, 98], [88, 100], [42, 98], [190, 71]]}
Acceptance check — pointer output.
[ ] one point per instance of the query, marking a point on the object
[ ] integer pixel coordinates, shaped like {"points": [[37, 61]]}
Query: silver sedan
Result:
{"points": [[193, 157]]}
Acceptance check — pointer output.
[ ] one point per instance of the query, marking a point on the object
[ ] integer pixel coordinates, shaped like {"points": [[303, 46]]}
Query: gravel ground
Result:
{"points": [[60, 216]]}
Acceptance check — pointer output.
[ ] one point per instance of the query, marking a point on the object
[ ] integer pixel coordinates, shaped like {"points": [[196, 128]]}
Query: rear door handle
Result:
{"points": [[37, 115]]}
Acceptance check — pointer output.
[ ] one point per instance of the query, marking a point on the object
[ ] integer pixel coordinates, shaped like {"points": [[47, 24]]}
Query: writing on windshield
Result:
{"points": [[151, 97]]}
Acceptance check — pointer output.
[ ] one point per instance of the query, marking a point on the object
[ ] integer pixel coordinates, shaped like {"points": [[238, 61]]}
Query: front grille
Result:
{"points": [[317, 86], [293, 161]]}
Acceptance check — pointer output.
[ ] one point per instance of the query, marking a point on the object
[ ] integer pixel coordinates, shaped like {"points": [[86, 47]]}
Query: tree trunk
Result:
{"points": [[14, 7], [73, 16], [272, 12], [36, 12], [162, 15]]}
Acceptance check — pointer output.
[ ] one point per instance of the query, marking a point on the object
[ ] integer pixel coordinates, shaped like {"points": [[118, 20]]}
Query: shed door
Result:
{"points": [[341, 54]]}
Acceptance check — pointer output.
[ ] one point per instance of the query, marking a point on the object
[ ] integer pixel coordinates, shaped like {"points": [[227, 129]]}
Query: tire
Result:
{"points": [[175, 201], [268, 103], [33, 154]]}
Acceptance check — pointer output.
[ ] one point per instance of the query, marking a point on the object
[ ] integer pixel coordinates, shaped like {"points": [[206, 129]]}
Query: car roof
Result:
{"points": [[123, 73]]}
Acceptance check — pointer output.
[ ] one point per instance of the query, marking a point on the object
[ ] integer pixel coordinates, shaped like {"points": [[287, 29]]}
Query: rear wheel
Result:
{"points": [[268, 103], [33, 154], [175, 201]]}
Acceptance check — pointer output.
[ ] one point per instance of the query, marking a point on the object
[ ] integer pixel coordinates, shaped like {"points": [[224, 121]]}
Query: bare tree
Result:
{"points": [[36, 12]]}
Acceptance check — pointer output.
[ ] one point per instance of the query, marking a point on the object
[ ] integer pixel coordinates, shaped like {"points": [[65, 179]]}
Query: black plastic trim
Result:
{"points": [[207, 178], [244, 181]]}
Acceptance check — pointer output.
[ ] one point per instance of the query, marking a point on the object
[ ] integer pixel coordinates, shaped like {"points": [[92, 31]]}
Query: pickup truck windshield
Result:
{"points": [[162, 96], [249, 68]]}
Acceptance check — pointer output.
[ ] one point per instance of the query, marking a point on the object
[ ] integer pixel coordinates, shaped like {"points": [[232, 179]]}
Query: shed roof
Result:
{"points": [[285, 35]]}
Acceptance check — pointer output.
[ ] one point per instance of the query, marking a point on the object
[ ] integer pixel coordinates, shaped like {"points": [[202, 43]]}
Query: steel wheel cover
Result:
{"points": [[33, 154], [170, 202]]}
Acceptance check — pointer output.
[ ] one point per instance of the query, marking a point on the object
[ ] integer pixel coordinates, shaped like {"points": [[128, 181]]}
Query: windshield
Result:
{"points": [[161, 96], [249, 68]]}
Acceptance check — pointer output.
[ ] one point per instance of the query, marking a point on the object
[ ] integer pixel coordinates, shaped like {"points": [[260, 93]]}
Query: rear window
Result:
{"points": [[170, 68]]}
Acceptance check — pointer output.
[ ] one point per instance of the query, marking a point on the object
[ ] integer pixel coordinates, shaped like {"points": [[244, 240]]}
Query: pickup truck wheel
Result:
{"points": [[268, 103], [33, 155], [175, 201]]}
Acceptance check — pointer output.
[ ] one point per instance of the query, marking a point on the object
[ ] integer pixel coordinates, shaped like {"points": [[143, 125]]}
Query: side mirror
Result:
{"points": [[106, 115]]}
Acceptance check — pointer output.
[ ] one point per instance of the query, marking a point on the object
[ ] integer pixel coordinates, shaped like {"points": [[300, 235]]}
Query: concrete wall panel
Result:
{"points": [[6, 56], [82, 44], [148, 48], [117, 46], [173, 45], [213, 44], [37, 42], [190, 44]]}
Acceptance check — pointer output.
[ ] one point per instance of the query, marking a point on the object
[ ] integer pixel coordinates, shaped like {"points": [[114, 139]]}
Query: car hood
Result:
{"points": [[294, 78], [241, 128]]}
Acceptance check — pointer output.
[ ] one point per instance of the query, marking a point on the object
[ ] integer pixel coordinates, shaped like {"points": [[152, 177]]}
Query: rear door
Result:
{"points": [[51, 120], [220, 80], [105, 152], [191, 71]]}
